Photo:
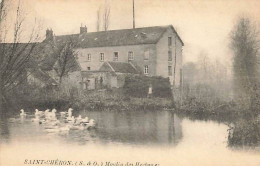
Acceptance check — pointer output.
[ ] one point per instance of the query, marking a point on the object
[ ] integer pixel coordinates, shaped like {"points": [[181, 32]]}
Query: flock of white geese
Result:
{"points": [[64, 124]]}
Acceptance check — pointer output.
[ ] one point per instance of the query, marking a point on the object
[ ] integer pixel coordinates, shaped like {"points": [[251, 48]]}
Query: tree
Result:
{"points": [[105, 13], [189, 73], [204, 67], [206, 79], [106, 17], [245, 45], [15, 56], [2, 17], [66, 57], [98, 20]]}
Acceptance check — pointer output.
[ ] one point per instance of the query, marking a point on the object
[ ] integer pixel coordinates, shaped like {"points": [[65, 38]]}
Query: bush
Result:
{"points": [[245, 133], [137, 86], [221, 111], [30, 97]]}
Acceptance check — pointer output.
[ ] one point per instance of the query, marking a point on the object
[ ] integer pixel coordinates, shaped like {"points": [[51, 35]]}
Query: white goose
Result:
{"points": [[53, 114], [22, 114], [46, 113], [91, 123], [71, 119], [78, 119], [69, 112], [85, 120], [38, 113]]}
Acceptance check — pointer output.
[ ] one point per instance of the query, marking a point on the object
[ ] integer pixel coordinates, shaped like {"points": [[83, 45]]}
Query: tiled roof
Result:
{"points": [[145, 35], [118, 67], [42, 76]]}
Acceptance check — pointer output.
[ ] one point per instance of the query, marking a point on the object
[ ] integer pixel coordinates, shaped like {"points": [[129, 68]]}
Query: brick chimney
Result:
{"points": [[49, 34], [83, 29]]}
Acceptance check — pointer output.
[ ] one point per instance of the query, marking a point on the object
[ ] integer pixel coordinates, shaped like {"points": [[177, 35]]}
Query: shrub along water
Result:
{"points": [[245, 133], [116, 99], [137, 86], [30, 97]]}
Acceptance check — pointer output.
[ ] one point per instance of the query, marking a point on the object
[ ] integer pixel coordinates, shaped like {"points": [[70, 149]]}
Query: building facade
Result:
{"points": [[153, 51]]}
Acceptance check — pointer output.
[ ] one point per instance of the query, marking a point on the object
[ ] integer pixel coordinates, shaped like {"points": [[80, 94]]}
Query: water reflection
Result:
{"points": [[4, 130], [137, 127], [182, 141], [113, 127]]}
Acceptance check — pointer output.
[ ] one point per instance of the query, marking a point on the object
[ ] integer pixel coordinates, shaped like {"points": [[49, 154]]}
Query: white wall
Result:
{"points": [[138, 51], [162, 56]]}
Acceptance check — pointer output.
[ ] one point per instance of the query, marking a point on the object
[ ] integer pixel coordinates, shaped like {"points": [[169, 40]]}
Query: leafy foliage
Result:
{"points": [[137, 86], [245, 45], [245, 133]]}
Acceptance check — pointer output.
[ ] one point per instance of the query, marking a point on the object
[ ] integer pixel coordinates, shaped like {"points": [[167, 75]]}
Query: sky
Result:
{"points": [[203, 25]]}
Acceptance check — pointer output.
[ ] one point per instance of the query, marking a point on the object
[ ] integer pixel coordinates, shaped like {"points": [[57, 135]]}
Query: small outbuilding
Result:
{"points": [[116, 72], [110, 75]]}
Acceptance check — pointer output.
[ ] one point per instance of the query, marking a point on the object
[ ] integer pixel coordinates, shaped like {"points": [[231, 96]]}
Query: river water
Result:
{"points": [[124, 138]]}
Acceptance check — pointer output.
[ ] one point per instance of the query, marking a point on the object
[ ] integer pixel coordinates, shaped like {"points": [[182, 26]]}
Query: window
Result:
{"points": [[130, 55], [169, 41], [146, 69], [115, 56], [102, 57], [169, 55], [88, 68], [169, 70], [89, 57], [146, 55]]}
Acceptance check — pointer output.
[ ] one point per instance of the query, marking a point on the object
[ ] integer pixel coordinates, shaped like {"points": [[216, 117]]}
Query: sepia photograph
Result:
{"points": [[129, 83]]}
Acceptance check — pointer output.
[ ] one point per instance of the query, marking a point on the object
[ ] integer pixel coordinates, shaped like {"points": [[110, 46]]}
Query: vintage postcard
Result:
{"points": [[129, 83]]}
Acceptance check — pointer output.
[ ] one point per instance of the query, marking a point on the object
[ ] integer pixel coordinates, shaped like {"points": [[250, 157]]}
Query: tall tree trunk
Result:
{"points": [[1, 101]]}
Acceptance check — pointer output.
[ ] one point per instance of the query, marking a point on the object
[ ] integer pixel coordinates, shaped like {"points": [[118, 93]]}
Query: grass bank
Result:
{"points": [[118, 101], [96, 100], [244, 124], [221, 111]]}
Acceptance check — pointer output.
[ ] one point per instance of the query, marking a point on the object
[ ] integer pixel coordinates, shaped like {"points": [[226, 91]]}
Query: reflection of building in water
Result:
{"points": [[140, 127], [170, 125], [4, 131]]}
